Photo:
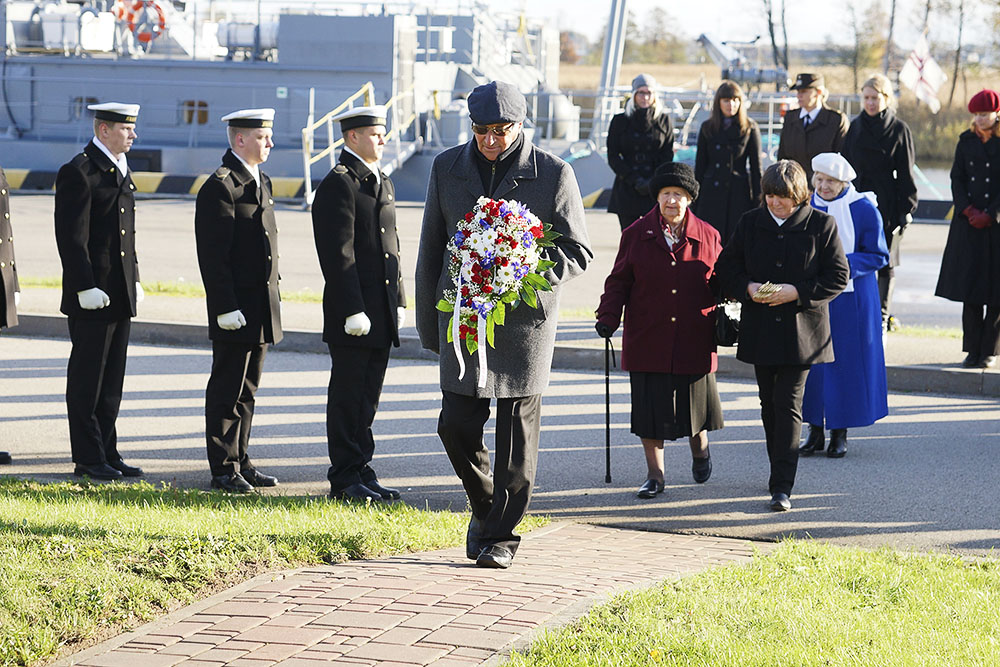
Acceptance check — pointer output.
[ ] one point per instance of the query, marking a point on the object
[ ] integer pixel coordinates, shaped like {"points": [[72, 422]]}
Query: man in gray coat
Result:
{"points": [[502, 164]]}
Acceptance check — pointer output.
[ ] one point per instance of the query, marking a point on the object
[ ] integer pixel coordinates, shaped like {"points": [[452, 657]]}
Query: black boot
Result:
{"points": [[838, 443], [815, 442]]}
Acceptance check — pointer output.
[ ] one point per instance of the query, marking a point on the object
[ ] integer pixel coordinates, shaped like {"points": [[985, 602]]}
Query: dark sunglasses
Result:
{"points": [[497, 130]]}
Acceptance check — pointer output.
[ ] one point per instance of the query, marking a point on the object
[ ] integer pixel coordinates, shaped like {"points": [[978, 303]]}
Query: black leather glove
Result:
{"points": [[604, 331], [642, 185]]}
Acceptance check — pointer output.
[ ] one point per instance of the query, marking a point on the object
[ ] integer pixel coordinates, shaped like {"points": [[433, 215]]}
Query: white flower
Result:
{"points": [[505, 274]]}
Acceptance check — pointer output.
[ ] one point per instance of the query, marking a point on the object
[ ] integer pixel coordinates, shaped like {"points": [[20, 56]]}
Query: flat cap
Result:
{"points": [[361, 117], [250, 118], [497, 102], [116, 112]]}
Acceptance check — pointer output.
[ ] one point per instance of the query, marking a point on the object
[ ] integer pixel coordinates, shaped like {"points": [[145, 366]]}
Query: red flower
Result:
{"points": [[487, 288], [473, 318], [465, 290], [463, 329], [536, 231], [476, 278], [466, 233], [513, 244], [469, 216]]}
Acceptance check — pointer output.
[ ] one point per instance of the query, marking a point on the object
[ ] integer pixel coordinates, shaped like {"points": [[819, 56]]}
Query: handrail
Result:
{"points": [[368, 90]]}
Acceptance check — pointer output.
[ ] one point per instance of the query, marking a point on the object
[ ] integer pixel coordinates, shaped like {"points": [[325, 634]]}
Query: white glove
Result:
{"points": [[139, 294], [400, 317], [17, 298], [357, 324], [231, 321], [93, 299]]}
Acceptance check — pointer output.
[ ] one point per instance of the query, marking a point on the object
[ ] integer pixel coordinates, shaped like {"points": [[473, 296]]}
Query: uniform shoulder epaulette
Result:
{"points": [[222, 172], [340, 169]]}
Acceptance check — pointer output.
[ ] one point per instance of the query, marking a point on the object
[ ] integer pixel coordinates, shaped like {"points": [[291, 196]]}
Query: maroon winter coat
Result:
{"points": [[669, 320]]}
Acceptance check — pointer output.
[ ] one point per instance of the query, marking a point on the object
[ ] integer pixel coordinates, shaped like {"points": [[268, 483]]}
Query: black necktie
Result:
{"points": [[805, 121]]}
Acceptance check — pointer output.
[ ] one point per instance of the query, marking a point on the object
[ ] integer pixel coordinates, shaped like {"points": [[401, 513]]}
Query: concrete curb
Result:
{"points": [[921, 379]]}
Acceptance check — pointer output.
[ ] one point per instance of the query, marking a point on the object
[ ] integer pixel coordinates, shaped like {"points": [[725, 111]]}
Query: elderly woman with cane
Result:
{"points": [[851, 391], [661, 279], [784, 262]]}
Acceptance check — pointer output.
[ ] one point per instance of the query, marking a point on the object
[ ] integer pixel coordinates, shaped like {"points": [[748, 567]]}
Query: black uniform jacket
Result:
{"points": [[727, 166], [881, 151], [805, 252], [238, 252], [802, 144], [95, 234], [8, 272], [354, 222], [970, 266], [634, 153]]}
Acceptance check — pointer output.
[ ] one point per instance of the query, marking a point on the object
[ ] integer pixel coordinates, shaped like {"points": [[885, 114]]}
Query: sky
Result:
{"points": [[808, 21]]}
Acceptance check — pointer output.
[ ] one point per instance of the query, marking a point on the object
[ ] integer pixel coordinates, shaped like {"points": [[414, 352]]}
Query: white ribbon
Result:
{"points": [[481, 332], [840, 209], [456, 319]]}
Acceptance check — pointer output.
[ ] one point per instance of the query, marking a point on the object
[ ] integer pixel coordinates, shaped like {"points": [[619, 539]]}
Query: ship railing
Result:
{"points": [[398, 125]]}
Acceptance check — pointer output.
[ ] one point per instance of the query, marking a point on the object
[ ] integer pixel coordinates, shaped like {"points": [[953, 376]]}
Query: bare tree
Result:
{"points": [[958, 51], [784, 37], [769, 14], [888, 42], [867, 27]]}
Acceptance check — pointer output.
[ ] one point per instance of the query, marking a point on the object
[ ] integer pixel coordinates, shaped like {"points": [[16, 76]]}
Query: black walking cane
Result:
{"points": [[609, 355]]}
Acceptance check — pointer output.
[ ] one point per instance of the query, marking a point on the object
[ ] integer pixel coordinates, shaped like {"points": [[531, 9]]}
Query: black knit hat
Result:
{"points": [[674, 174]]}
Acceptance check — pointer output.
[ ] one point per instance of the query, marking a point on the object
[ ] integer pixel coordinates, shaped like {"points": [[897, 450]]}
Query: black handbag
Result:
{"points": [[727, 323]]}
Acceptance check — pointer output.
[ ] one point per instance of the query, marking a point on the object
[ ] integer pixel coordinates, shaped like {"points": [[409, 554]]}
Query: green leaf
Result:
{"points": [[489, 332], [509, 297], [470, 344], [545, 265], [451, 322], [538, 282], [445, 306], [500, 313], [528, 294]]}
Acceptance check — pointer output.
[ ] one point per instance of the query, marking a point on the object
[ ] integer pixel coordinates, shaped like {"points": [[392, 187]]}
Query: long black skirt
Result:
{"points": [[669, 407]]}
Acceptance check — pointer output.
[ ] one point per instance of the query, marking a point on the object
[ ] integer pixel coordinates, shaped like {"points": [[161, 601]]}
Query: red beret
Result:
{"points": [[985, 100]]}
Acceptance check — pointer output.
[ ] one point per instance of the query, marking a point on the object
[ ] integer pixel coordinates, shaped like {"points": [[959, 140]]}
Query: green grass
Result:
{"points": [[804, 604], [174, 288], [81, 561], [929, 332]]}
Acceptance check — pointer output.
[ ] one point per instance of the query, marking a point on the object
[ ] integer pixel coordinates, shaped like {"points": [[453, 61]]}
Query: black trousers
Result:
{"points": [[980, 333], [94, 379], [499, 499], [780, 389], [356, 377], [229, 404]]}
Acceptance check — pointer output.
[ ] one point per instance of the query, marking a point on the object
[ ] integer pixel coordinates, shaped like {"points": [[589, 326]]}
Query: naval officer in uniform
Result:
{"points": [[238, 255], [364, 307], [95, 234], [10, 291]]}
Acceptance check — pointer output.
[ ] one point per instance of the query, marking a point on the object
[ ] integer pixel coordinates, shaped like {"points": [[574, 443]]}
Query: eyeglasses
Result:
{"points": [[495, 130]]}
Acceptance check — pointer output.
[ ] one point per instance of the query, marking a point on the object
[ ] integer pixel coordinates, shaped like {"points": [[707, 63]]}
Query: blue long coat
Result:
{"points": [[851, 391]]}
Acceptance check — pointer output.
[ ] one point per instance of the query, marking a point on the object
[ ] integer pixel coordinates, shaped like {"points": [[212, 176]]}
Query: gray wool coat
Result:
{"points": [[519, 365]]}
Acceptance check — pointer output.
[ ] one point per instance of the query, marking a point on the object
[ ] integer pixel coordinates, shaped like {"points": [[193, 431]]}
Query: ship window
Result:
{"points": [[78, 106], [194, 111]]}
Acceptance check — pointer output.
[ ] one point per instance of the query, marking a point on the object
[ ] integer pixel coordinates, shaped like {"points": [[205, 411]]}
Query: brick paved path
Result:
{"points": [[432, 608]]}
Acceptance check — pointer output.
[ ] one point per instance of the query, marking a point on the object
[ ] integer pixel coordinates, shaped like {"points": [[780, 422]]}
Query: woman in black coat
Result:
{"points": [[880, 148], [970, 267], [784, 262], [727, 164], [639, 140]]}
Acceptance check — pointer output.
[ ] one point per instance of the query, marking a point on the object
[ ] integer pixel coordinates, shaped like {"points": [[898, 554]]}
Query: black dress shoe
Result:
{"points": [[233, 483], [815, 442], [650, 489], [474, 538], [125, 469], [96, 471], [971, 360], [384, 491], [5, 459], [701, 469], [988, 361], [358, 492], [838, 443], [780, 502], [495, 556], [256, 478]]}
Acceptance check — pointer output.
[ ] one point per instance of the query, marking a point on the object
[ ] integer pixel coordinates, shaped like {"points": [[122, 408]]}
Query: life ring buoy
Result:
{"points": [[145, 19]]}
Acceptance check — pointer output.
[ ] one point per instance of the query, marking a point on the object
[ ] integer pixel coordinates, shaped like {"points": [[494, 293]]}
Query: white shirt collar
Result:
{"points": [[812, 114], [121, 163], [254, 170], [374, 167], [777, 219]]}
